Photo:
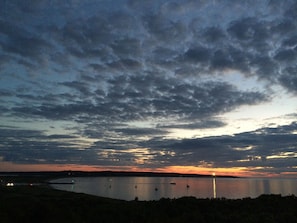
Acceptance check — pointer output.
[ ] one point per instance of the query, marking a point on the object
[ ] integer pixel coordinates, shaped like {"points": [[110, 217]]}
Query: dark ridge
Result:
{"points": [[43, 204], [55, 174]]}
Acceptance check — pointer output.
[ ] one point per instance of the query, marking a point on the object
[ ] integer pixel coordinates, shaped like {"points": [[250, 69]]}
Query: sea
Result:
{"points": [[155, 188]]}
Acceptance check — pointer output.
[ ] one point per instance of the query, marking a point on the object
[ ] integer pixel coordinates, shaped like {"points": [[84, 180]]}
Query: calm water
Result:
{"points": [[154, 188]]}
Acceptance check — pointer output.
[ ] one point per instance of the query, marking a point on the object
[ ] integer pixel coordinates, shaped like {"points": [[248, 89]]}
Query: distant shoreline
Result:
{"points": [[105, 173], [44, 177]]}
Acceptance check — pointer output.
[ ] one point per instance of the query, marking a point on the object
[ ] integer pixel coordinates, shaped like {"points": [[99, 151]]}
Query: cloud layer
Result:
{"points": [[128, 76]]}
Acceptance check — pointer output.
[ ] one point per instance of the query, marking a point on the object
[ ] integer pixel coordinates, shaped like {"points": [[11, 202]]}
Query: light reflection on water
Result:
{"points": [[154, 188]]}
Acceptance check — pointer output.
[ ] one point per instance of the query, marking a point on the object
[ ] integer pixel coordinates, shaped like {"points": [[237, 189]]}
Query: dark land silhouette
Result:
{"points": [[38, 202]]}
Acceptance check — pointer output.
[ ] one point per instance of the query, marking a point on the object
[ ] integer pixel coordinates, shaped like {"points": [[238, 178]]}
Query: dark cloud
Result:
{"points": [[269, 147], [140, 131], [125, 64], [5, 93], [201, 124], [289, 79], [266, 147], [163, 29], [221, 60], [119, 39], [103, 66], [286, 55], [291, 41], [291, 10], [34, 147], [78, 86], [249, 30], [142, 97], [266, 68], [127, 47], [214, 34], [20, 41], [198, 54]]}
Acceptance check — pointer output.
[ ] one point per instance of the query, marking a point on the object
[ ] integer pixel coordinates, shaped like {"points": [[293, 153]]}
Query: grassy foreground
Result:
{"points": [[44, 204]]}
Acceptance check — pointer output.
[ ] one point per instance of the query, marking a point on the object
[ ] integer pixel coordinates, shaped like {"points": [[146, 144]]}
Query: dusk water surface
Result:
{"points": [[154, 188]]}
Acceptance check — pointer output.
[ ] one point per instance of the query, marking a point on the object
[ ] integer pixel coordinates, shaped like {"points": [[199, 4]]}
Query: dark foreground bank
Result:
{"points": [[44, 204]]}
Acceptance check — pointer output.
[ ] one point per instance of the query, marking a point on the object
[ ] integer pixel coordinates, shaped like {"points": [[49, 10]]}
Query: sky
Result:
{"points": [[188, 86]]}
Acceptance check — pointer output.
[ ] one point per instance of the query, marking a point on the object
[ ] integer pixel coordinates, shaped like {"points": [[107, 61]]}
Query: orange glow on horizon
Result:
{"points": [[235, 171], [11, 167], [239, 172]]}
